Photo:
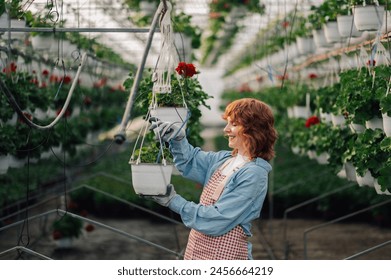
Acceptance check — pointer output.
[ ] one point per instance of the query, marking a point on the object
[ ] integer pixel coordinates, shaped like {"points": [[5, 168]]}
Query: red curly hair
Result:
{"points": [[257, 121]]}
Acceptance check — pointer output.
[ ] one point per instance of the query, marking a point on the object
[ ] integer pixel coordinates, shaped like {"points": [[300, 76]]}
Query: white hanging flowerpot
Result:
{"points": [[346, 26], [171, 114], [301, 112], [331, 32], [151, 179], [386, 26], [366, 180], [311, 154], [350, 171], [42, 43], [4, 164], [338, 120], [305, 45], [357, 128], [374, 123], [320, 39], [387, 124], [323, 158], [378, 189], [368, 18], [290, 112]]}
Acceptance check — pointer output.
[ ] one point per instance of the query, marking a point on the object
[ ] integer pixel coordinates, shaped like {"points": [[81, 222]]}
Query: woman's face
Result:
{"points": [[235, 141]]}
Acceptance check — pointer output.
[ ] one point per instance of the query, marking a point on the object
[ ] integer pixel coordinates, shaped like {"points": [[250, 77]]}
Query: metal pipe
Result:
{"points": [[290, 209], [369, 250], [120, 137], [27, 250], [75, 29], [338, 220], [121, 232]]}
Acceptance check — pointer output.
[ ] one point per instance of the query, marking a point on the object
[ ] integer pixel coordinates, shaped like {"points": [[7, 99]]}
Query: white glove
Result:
{"points": [[167, 131], [165, 199]]}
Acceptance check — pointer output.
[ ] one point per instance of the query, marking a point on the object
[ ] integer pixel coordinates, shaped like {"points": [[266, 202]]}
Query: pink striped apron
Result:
{"points": [[230, 246]]}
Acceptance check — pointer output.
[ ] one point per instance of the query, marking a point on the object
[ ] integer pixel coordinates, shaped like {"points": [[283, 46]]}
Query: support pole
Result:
{"points": [[120, 137]]}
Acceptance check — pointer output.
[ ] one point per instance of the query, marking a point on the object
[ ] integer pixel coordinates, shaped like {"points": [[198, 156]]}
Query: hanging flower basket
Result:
{"points": [[368, 18], [151, 179], [320, 39], [305, 45], [171, 114], [331, 32], [387, 124], [346, 26]]}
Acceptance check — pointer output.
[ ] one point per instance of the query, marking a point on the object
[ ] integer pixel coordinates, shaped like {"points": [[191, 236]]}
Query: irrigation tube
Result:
{"points": [[14, 103], [121, 232], [120, 137], [290, 209], [338, 220]]}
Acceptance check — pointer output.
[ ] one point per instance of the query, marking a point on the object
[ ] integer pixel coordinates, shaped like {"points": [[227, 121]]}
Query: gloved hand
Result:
{"points": [[167, 131], [165, 199]]}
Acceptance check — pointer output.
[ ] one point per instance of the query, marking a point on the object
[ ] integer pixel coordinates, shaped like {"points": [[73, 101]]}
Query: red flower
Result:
{"points": [[282, 77], [34, 81], [285, 24], [87, 101], [56, 235], [27, 115], [371, 62], [45, 72], [43, 85], [186, 69], [89, 228], [11, 68], [312, 76], [67, 80], [66, 114], [54, 79], [312, 121]]}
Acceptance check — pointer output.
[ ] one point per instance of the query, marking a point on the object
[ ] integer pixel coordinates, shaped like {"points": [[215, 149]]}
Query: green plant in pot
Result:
{"points": [[67, 226], [384, 172]]}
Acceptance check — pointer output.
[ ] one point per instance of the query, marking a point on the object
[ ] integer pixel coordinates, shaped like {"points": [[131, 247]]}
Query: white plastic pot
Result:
{"points": [[170, 114], [150, 179], [346, 26], [368, 18]]}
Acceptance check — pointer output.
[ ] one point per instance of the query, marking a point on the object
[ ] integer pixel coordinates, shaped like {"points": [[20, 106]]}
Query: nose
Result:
{"points": [[227, 128]]}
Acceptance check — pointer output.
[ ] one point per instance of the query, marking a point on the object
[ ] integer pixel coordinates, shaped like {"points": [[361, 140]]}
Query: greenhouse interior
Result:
{"points": [[83, 80]]}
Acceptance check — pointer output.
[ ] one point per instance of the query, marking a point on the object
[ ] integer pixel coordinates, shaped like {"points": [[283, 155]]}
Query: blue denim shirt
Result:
{"points": [[240, 202]]}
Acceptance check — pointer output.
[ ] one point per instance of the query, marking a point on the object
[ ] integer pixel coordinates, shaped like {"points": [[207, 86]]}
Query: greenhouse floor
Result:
{"points": [[334, 242]]}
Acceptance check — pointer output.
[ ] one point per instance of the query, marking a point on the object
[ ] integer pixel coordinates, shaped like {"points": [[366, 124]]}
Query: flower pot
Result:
{"points": [[374, 123], [338, 120], [320, 39], [311, 154], [357, 128], [331, 32], [378, 189], [305, 45], [171, 114], [41, 43], [350, 172], [64, 243], [290, 112], [301, 112], [325, 117], [366, 180], [387, 125], [323, 158], [346, 26], [368, 18], [386, 26], [150, 179], [4, 164]]}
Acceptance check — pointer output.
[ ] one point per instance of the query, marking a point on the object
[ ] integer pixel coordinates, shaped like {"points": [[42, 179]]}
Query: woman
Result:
{"points": [[235, 182]]}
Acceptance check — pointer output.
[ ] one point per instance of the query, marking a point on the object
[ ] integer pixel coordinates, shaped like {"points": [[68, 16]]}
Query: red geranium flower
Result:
{"points": [[45, 72], [11, 68], [89, 228], [57, 235], [67, 80], [186, 69], [371, 62], [312, 76], [312, 121], [27, 115]]}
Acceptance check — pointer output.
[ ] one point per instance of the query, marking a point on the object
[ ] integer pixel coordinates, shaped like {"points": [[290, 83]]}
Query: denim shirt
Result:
{"points": [[240, 202]]}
